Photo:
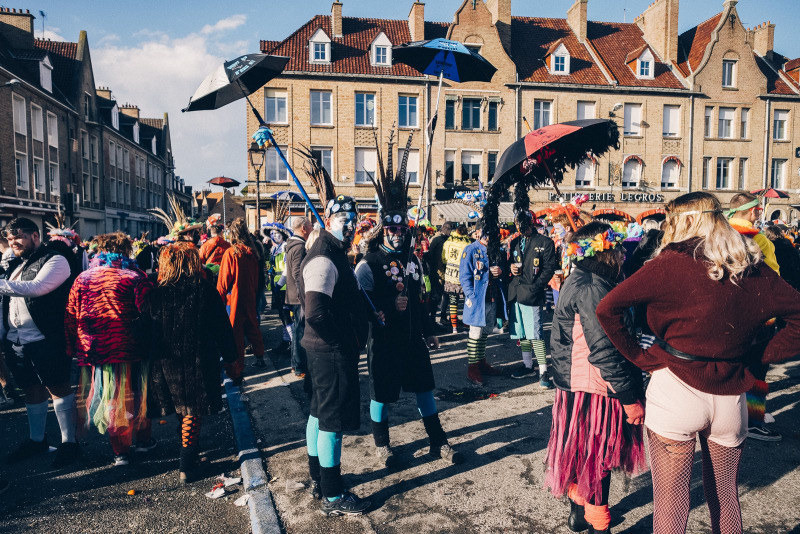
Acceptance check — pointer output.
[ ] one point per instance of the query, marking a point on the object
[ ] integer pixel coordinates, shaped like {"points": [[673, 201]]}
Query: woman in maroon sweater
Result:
{"points": [[708, 297]]}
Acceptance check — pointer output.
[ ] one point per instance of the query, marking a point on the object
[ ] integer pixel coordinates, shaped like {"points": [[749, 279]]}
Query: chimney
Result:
{"points": [[416, 21], [577, 20], [16, 26], [130, 110], [659, 24], [336, 19], [105, 92], [501, 18], [763, 38]]}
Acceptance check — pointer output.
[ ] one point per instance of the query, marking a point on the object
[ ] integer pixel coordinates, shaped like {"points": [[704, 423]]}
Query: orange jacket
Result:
{"points": [[212, 250], [237, 282]]}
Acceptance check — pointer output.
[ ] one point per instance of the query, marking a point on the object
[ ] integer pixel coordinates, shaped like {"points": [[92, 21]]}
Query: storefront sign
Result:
{"points": [[611, 197]]}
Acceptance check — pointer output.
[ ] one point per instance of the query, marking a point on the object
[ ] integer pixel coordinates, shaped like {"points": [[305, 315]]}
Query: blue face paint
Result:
{"points": [[343, 226]]}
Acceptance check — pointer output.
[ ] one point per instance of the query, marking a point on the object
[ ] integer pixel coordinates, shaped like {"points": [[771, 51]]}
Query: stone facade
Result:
{"points": [[665, 152]]}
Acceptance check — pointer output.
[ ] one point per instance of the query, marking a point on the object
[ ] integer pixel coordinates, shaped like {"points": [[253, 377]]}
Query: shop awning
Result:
{"points": [[656, 213], [612, 214], [460, 213]]}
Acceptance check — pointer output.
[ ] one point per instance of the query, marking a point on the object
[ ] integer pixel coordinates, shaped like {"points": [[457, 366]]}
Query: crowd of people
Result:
{"points": [[661, 333]]}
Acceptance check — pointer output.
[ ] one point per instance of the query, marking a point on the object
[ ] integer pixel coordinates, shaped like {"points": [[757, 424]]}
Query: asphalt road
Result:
{"points": [[92, 496], [503, 431]]}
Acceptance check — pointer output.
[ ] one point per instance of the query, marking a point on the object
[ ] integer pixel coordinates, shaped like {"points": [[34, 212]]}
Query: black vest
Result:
{"points": [[48, 310]]}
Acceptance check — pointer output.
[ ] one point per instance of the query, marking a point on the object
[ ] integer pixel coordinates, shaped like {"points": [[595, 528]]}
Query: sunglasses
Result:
{"points": [[396, 229], [11, 233]]}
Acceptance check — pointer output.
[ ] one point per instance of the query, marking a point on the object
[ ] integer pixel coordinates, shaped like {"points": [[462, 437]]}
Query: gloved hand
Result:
{"points": [[261, 136], [646, 341]]}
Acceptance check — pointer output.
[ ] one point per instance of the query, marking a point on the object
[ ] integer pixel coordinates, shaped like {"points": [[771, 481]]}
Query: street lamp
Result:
{"points": [[256, 155]]}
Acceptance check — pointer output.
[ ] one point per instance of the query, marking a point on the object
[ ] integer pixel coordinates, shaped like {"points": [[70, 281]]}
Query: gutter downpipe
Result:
{"points": [[766, 143], [691, 140], [516, 113]]}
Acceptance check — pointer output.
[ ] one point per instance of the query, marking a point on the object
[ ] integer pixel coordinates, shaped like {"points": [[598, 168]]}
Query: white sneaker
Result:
{"points": [[768, 418], [120, 461]]}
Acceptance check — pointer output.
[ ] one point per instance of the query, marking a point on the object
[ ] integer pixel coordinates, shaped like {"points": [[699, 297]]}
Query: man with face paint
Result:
{"points": [[533, 262], [336, 330], [397, 352], [276, 267]]}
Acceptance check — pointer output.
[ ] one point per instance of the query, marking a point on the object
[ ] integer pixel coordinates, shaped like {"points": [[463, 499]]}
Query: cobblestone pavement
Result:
{"points": [[503, 430]]}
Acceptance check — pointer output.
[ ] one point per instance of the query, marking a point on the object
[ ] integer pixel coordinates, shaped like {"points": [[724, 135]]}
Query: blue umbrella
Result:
{"points": [[287, 195], [444, 58]]}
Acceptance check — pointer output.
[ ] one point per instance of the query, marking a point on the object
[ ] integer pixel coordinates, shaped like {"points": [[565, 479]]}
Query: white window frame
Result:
{"points": [[412, 169], [646, 65], [636, 168], [742, 179], [115, 117], [722, 177], [563, 54], [46, 74], [19, 114], [706, 172], [732, 65], [708, 121], [276, 106], [368, 158], [467, 125], [319, 38], [671, 120], [136, 132], [366, 99], [665, 165], [587, 167], [52, 130], [153, 145], [37, 123], [744, 123], [780, 125], [319, 101], [21, 171], [323, 150], [632, 128], [406, 101], [471, 159], [274, 169], [38, 181], [53, 178], [542, 113], [725, 118], [382, 43], [779, 165]]}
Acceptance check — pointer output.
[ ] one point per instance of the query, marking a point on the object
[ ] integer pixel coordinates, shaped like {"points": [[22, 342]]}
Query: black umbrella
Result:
{"points": [[234, 79]]}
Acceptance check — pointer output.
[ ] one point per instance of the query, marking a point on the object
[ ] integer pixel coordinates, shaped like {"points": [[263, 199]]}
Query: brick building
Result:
{"points": [[712, 108], [56, 137], [207, 203]]}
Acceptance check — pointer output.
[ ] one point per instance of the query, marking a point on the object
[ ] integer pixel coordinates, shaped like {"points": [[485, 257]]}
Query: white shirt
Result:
{"points": [[21, 328]]}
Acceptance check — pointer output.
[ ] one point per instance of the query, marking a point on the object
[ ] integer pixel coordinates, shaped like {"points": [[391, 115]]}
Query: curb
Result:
{"points": [[263, 518]]}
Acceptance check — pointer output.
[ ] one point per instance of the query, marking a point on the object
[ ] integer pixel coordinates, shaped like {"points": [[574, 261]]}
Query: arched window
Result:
{"points": [[670, 172], [631, 173]]}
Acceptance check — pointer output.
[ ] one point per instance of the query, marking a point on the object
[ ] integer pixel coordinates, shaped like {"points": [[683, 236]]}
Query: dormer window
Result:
{"points": [[115, 117], [136, 132], [558, 59], [153, 145], [381, 51], [46, 74], [319, 47], [645, 65]]}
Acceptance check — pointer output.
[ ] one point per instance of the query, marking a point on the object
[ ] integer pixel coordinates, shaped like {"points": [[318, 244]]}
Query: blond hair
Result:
{"points": [[700, 215], [177, 261]]}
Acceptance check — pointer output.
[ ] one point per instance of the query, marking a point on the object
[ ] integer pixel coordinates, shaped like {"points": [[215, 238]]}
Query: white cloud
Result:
{"points": [[54, 34], [159, 75], [230, 23]]}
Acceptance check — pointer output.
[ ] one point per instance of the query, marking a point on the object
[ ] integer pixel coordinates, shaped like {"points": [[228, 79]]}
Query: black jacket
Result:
{"points": [[434, 261], [789, 261], [539, 263], [577, 359], [295, 250], [338, 321]]}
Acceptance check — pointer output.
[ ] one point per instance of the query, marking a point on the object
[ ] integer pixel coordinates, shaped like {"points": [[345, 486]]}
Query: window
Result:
{"points": [[52, 130], [672, 120], [559, 60], [779, 125], [381, 55], [585, 110], [20, 121], [325, 157], [492, 125], [778, 170], [319, 47], [115, 117], [46, 75], [21, 170], [275, 169], [723, 172], [491, 165], [470, 165], [541, 113], [407, 111], [37, 174], [365, 109], [87, 106], [584, 174], [742, 172], [112, 190], [449, 167], [725, 123], [745, 114], [366, 164], [153, 146], [135, 132], [471, 114], [707, 121], [728, 73], [450, 115], [320, 52], [473, 48], [559, 64], [706, 171], [669, 174], [275, 106], [321, 107], [633, 119], [412, 165], [37, 125], [631, 172], [645, 68], [52, 177]]}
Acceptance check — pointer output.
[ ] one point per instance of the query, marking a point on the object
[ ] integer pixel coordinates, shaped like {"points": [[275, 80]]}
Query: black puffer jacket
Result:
{"points": [[295, 254], [584, 359]]}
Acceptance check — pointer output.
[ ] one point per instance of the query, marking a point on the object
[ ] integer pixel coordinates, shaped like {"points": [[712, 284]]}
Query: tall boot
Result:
{"points": [[439, 447], [188, 464], [314, 471], [383, 451]]}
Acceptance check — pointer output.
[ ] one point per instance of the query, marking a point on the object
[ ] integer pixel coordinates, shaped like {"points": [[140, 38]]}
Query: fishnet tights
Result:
{"points": [[671, 466]]}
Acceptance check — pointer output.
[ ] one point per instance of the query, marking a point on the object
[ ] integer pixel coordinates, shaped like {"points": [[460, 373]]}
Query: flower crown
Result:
{"points": [[586, 248]]}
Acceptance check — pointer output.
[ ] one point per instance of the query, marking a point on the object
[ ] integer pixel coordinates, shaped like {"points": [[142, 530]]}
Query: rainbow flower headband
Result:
{"points": [[586, 248]]}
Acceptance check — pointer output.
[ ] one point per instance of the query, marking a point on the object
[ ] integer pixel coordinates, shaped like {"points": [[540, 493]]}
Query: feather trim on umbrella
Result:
{"points": [[318, 175]]}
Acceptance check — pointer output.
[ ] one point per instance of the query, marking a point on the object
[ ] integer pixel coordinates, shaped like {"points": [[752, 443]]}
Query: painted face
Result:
{"points": [[276, 237], [394, 236], [342, 226]]}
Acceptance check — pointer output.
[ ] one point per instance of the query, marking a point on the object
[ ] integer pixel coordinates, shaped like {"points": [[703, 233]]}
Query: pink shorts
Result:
{"points": [[677, 411]]}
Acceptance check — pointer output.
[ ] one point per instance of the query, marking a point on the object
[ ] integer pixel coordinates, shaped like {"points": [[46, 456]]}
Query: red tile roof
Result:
{"points": [[613, 41], [531, 40], [692, 44], [791, 64], [775, 84]]}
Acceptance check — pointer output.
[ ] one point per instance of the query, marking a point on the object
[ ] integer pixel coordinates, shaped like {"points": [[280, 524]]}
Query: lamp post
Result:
{"points": [[256, 155]]}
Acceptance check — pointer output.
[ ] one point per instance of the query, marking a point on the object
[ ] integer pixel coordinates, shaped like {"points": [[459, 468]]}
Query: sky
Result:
{"points": [[155, 53]]}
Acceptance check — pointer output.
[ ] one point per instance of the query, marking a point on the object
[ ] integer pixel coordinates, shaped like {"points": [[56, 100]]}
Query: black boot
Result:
{"points": [[439, 447], [576, 521], [188, 464], [383, 451], [314, 471]]}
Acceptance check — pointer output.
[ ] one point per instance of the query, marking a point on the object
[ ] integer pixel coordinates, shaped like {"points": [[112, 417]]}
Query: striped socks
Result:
{"points": [[540, 351], [527, 353], [453, 308], [476, 349]]}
